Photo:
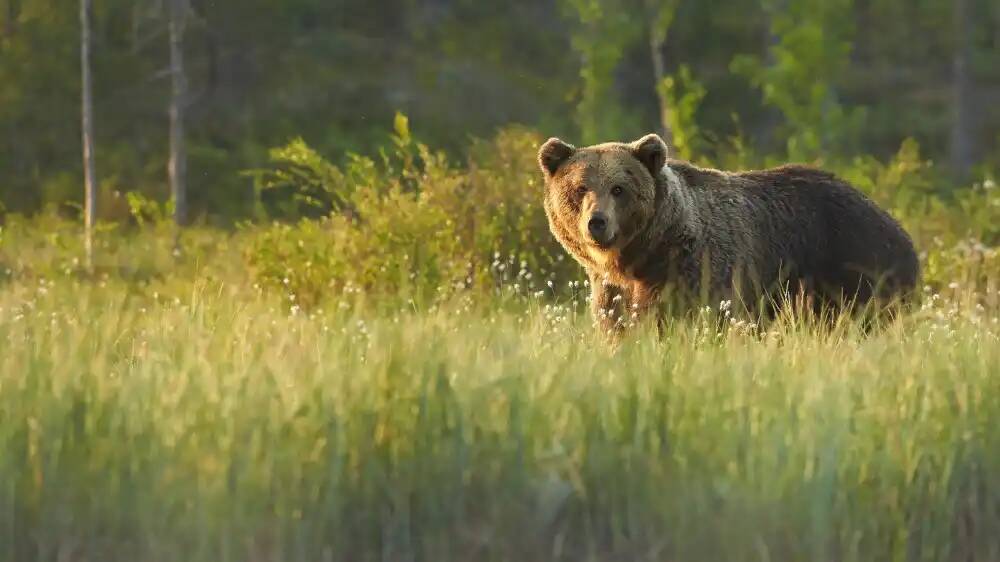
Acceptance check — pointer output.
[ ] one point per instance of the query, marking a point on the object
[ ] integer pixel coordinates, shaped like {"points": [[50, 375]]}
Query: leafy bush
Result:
{"points": [[684, 94], [411, 225], [145, 210]]}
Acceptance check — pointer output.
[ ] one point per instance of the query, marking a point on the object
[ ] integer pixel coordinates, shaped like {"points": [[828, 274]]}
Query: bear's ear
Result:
{"points": [[553, 154], [652, 152]]}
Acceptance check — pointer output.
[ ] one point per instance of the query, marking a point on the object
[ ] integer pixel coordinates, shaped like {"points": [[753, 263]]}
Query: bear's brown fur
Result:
{"points": [[640, 225]]}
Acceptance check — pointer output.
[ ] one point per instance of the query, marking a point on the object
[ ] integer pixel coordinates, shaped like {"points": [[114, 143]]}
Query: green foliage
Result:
{"points": [[661, 15], [799, 77], [963, 236], [413, 226], [603, 33], [684, 95], [300, 182], [148, 211], [332, 73], [901, 184]]}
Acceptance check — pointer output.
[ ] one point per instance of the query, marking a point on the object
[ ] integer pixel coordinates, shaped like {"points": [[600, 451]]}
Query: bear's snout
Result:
{"points": [[600, 229], [598, 223]]}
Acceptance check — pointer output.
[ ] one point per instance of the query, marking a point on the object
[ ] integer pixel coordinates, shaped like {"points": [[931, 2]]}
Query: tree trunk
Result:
{"points": [[10, 17], [962, 126], [177, 166], [659, 74], [87, 118]]}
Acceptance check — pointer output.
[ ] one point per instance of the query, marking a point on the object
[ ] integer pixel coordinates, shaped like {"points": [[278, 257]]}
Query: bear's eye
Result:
{"points": [[617, 190], [581, 191]]}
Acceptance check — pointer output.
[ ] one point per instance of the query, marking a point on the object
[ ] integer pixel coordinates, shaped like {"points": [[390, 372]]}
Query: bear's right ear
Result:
{"points": [[553, 154], [652, 152]]}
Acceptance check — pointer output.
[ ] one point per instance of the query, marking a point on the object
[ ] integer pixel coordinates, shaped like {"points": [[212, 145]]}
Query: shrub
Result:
{"points": [[411, 225]]}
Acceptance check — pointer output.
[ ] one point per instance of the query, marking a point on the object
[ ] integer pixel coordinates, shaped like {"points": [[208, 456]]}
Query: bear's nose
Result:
{"points": [[597, 225]]}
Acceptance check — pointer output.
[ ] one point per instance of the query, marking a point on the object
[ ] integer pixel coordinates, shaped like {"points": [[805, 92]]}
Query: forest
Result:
{"points": [[277, 284], [787, 79]]}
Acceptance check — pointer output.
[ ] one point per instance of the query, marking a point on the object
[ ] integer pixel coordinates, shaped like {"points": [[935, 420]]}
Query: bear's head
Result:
{"points": [[597, 198]]}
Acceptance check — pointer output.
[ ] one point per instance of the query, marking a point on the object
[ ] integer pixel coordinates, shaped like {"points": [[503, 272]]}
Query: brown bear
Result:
{"points": [[643, 226]]}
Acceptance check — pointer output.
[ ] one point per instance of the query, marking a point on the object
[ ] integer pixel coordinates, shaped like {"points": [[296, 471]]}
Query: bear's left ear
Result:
{"points": [[553, 154], [652, 152]]}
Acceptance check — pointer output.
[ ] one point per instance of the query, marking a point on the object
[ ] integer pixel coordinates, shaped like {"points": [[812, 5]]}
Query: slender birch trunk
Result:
{"points": [[177, 166], [87, 118], [659, 75]]}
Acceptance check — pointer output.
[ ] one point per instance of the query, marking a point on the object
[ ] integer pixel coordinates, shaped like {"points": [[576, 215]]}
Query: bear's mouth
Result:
{"points": [[604, 244]]}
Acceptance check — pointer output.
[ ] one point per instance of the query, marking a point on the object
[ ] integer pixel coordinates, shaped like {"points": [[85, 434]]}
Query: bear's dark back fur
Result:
{"points": [[800, 228]]}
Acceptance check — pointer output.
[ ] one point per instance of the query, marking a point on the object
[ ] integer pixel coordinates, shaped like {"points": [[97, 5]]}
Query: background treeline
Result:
{"points": [[768, 80]]}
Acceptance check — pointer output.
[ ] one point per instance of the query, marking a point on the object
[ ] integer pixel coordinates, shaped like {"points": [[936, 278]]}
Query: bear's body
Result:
{"points": [[641, 225]]}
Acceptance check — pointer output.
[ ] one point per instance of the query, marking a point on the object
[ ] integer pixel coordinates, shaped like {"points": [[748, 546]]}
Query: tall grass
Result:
{"points": [[222, 424], [413, 376]]}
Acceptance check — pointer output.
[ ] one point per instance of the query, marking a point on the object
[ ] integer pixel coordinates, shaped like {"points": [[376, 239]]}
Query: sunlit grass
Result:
{"points": [[230, 426]]}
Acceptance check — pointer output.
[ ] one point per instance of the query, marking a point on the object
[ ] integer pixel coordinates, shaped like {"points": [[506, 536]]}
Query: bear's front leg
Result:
{"points": [[644, 301], [609, 304]]}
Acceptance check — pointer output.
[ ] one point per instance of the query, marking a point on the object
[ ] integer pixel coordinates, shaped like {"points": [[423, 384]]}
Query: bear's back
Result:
{"points": [[863, 251], [812, 224]]}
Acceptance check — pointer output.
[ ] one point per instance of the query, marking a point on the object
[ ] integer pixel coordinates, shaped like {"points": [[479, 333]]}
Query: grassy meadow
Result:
{"points": [[249, 314], [164, 408], [393, 361]]}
